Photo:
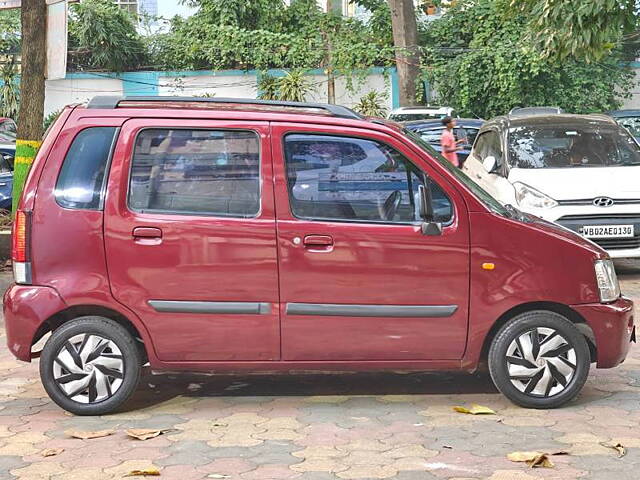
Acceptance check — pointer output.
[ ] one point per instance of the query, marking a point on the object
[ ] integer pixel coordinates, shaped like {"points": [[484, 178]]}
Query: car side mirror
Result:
{"points": [[490, 164], [429, 226]]}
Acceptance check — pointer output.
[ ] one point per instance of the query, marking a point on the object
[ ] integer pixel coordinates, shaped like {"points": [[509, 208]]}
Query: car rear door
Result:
{"points": [[358, 281], [190, 237]]}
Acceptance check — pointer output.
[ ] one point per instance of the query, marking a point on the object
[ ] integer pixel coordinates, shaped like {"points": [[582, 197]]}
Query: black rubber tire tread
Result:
{"points": [[514, 328], [104, 327]]}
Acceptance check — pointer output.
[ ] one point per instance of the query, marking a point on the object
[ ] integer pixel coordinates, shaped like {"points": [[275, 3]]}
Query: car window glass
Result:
{"points": [[481, 147], [494, 147], [210, 172], [568, 146], [6, 162], [432, 136], [80, 184], [632, 124], [352, 179]]}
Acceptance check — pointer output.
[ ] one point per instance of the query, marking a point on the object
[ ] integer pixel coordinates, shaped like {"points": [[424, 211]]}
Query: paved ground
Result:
{"points": [[324, 427]]}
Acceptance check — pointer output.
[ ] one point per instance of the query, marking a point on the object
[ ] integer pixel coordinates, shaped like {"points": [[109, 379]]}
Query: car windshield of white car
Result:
{"points": [[570, 146]]}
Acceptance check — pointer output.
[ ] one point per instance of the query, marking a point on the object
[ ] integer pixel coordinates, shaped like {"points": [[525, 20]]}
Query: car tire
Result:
{"points": [[90, 366], [539, 359]]}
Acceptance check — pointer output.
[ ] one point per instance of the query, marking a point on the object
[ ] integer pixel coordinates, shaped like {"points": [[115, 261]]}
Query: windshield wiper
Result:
{"points": [[516, 213]]}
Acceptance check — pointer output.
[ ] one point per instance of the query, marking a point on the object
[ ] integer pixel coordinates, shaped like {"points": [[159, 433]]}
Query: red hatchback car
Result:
{"points": [[244, 235]]}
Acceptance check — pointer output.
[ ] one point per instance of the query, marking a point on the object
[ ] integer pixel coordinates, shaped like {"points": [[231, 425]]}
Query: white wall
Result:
{"points": [[59, 93], [77, 90]]}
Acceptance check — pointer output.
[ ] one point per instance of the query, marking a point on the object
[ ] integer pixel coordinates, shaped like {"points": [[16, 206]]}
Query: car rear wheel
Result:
{"points": [[90, 366], [539, 360]]}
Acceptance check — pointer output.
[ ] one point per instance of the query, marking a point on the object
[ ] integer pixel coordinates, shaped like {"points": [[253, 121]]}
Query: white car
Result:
{"points": [[581, 171], [406, 114]]}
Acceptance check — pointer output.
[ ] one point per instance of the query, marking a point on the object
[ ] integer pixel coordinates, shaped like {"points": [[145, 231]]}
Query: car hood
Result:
{"points": [[579, 183]]}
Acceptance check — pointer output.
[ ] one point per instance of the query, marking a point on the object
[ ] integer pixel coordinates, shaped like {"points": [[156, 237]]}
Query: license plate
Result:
{"points": [[608, 231]]}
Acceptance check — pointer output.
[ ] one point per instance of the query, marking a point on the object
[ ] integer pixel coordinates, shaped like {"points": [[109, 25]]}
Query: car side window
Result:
{"points": [[354, 179], [197, 172], [495, 147], [481, 147], [81, 182]]}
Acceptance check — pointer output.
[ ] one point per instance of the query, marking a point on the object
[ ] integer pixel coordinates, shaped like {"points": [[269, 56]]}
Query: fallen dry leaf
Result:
{"points": [[149, 472], [534, 459], [475, 410], [89, 435], [622, 451], [146, 434], [51, 452]]}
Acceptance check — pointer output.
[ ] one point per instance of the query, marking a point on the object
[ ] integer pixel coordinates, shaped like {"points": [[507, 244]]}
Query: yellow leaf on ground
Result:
{"points": [[88, 435], [145, 433], [51, 452], [533, 459], [475, 410], [618, 447], [150, 472]]}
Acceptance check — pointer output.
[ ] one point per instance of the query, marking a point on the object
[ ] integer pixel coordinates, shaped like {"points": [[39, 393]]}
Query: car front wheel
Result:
{"points": [[90, 366], [539, 360]]}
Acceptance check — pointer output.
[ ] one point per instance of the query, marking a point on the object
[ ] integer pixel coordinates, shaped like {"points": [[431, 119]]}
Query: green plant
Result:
{"points": [[293, 87], [267, 87], [9, 91], [49, 119], [104, 36], [372, 104], [479, 62]]}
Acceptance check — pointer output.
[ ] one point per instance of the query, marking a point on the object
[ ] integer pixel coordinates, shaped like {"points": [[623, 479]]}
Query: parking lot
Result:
{"points": [[349, 426]]}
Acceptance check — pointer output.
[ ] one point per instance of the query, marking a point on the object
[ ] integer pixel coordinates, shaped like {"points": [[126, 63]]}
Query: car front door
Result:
{"points": [[358, 279], [190, 237]]}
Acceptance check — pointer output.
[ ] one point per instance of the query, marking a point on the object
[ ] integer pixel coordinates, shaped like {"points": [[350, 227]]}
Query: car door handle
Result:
{"points": [[147, 235], [318, 243]]}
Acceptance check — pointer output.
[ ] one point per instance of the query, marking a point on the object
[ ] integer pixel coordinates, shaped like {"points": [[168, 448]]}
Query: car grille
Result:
{"points": [[589, 201], [575, 222]]}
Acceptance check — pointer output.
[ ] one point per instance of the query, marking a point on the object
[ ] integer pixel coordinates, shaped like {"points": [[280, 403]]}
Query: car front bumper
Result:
{"points": [[574, 217], [613, 327]]}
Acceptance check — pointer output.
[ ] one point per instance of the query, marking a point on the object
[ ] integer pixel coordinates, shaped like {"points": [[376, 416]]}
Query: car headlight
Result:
{"points": [[529, 197], [607, 280]]}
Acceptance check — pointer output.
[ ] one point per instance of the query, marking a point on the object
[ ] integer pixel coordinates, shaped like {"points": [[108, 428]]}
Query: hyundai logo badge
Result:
{"points": [[603, 201]]}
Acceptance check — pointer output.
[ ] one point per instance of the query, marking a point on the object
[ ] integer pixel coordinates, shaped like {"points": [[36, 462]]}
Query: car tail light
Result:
{"points": [[20, 252]]}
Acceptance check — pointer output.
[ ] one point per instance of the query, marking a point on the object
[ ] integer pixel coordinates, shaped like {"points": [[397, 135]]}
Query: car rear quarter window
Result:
{"points": [[197, 172], [81, 182]]}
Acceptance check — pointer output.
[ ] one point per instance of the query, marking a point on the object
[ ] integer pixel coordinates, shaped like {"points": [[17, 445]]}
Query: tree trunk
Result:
{"points": [[332, 6], [31, 114], [405, 39]]}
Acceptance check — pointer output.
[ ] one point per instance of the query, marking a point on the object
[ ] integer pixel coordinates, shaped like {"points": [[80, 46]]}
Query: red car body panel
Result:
{"points": [[90, 258]]}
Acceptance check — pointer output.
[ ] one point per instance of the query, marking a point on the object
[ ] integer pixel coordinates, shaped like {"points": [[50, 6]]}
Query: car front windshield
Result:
{"points": [[632, 124], [493, 204], [568, 146]]}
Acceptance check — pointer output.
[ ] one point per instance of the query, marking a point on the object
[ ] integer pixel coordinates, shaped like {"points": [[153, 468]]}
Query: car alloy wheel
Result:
{"points": [[541, 362], [89, 368]]}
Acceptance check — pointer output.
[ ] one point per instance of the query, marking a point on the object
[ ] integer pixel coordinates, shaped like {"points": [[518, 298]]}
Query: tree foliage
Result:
{"points": [[265, 34], [479, 61], [9, 31], [585, 29], [103, 36]]}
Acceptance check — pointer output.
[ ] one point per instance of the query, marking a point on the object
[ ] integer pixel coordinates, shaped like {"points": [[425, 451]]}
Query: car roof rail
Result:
{"points": [[111, 102], [536, 111]]}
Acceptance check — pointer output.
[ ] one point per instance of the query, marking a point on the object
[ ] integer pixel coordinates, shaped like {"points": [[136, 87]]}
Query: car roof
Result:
{"points": [[630, 112], [508, 121], [240, 109], [462, 122], [421, 108]]}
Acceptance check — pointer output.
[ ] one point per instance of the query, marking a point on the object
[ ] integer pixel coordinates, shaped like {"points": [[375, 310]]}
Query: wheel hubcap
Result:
{"points": [[541, 362], [89, 368]]}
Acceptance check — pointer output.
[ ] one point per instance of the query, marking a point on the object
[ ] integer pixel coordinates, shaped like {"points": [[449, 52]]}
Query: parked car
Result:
{"points": [[7, 155], [406, 114], [580, 171], [308, 237], [629, 119], [431, 130]]}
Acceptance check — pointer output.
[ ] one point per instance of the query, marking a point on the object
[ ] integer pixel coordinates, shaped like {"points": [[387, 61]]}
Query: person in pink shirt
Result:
{"points": [[448, 141]]}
